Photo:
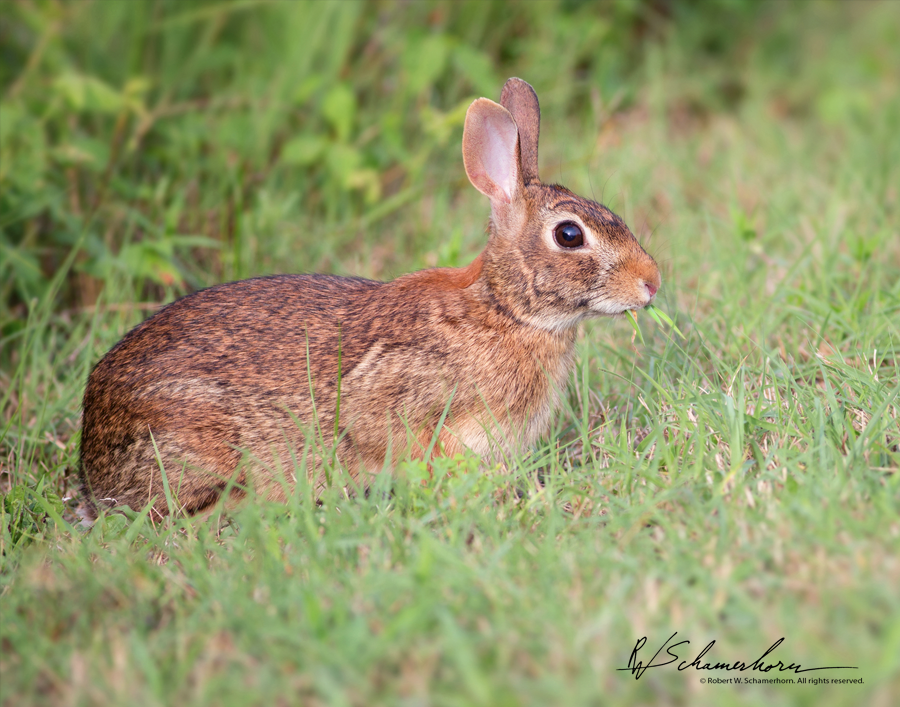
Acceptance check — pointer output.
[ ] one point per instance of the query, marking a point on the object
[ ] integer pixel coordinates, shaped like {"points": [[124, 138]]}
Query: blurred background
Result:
{"points": [[177, 144]]}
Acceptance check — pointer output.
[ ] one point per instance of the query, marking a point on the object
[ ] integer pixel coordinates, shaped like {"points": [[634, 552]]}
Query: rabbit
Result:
{"points": [[228, 387]]}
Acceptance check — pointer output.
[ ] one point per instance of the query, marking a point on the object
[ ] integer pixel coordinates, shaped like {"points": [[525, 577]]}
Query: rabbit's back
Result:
{"points": [[209, 377]]}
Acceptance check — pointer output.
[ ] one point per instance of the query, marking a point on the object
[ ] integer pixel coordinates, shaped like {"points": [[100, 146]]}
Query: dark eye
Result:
{"points": [[568, 235]]}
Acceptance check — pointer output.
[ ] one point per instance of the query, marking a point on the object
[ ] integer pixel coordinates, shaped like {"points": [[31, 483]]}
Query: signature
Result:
{"points": [[638, 668]]}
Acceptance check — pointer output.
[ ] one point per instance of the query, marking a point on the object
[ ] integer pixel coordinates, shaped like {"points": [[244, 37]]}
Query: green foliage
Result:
{"points": [[25, 512]]}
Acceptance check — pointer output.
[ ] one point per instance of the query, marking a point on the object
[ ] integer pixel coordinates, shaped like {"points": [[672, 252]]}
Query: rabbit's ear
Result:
{"points": [[491, 151], [519, 98]]}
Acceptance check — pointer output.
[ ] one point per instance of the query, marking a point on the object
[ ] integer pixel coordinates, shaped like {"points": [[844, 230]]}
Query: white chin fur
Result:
{"points": [[560, 322], [611, 308]]}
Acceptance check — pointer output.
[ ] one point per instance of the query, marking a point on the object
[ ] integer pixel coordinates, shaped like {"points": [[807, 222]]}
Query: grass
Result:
{"points": [[738, 485]]}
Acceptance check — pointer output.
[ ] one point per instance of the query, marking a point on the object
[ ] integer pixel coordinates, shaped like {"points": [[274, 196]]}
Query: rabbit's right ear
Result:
{"points": [[491, 151]]}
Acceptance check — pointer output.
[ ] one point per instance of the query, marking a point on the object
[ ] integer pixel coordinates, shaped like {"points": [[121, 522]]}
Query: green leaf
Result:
{"points": [[306, 88], [339, 109], [89, 94], [343, 160], [477, 67], [424, 61], [660, 316], [632, 317], [304, 150], [83, 151]]}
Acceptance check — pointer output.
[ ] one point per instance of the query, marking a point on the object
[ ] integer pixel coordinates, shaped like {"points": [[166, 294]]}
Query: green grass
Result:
{"points": [[738, 485]]}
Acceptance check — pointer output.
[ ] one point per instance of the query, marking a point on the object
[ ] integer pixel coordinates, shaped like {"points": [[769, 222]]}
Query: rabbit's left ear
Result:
{"points": [[519, 98], [491, 151]]}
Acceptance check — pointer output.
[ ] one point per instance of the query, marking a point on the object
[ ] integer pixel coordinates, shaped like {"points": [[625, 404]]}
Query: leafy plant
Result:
{"points": [[26, 513]]}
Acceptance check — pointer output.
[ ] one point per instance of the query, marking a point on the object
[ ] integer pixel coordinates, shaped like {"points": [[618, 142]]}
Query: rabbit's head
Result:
{"points": [[553, 258]]}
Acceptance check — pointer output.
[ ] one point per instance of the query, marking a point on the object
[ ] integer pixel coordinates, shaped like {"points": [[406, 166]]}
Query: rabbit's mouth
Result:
{"points": [[605, 305], [630, 286]]}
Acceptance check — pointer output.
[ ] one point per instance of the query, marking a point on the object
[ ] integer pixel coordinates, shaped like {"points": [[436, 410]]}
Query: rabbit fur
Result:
{"points": [[225, 388]]}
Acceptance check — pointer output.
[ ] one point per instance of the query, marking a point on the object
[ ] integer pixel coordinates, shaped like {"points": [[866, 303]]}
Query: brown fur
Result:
{"points": [[221, 382]]}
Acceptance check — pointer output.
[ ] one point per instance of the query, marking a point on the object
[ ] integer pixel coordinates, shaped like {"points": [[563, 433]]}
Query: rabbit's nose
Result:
{"points": [[651, 288]]}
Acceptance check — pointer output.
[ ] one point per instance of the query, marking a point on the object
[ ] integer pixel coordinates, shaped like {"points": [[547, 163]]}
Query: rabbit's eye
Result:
{"points": [[568, 235]]}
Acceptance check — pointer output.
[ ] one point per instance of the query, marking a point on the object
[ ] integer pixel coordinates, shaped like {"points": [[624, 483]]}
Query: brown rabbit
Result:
{"points": [[229, 386]]}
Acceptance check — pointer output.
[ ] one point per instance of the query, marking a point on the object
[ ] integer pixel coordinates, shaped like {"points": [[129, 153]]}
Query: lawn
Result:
{"points": [[739, 485]]}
